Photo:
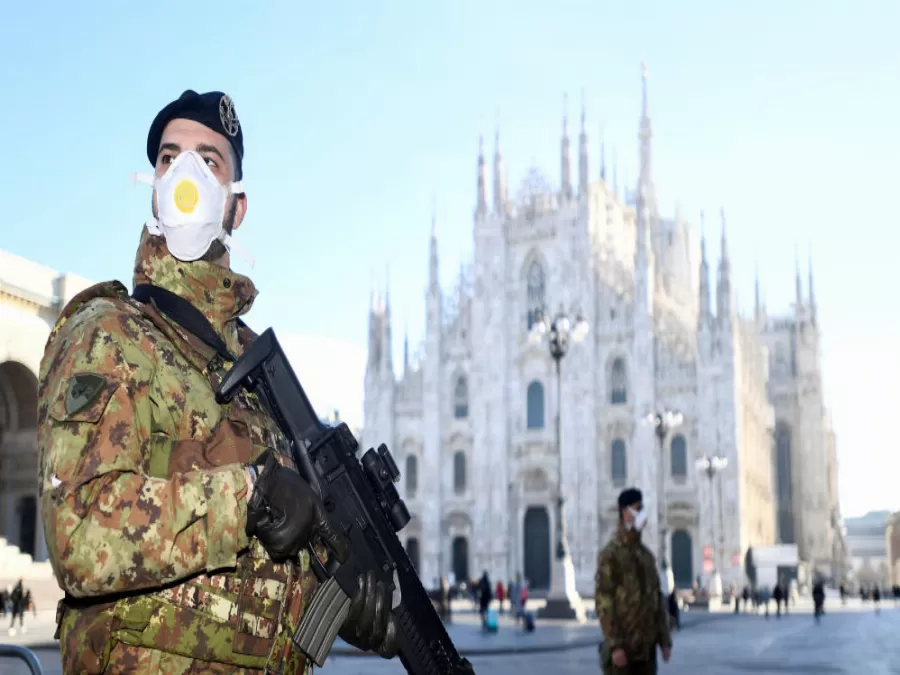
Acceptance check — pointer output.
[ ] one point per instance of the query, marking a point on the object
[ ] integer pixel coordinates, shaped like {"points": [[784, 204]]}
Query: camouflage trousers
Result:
{"points": [[141, 661]]}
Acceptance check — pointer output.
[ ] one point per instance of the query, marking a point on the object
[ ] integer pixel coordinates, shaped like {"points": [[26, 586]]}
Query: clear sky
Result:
{"points": [[359, 115]]}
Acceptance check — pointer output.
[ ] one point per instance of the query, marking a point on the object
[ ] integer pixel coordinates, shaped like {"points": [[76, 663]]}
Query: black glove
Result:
{"points": [[285, 514], [371, 625]]}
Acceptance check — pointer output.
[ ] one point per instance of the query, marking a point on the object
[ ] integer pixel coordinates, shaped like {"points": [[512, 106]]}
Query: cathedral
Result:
{"points": [[472, 422]]}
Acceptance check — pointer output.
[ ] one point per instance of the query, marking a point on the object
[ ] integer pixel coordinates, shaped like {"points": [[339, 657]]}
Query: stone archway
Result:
{"points": [[537, 547], [19, 520], [460, 553]]}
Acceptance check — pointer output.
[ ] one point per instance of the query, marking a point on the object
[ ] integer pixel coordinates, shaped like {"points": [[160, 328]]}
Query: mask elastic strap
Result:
{"points": [[153, 227], [228, 240], [139, 177], [237, 187]]}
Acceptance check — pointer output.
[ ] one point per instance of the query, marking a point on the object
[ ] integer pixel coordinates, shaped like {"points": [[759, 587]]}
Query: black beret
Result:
{"points": [[629, 497], [213, 109]]}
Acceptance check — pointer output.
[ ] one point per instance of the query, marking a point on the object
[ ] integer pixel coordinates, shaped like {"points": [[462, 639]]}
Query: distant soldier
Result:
{"points": [[629, 599]]}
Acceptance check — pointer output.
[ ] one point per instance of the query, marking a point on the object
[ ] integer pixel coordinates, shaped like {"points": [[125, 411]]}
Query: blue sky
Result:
{"points": [[357, 115]]}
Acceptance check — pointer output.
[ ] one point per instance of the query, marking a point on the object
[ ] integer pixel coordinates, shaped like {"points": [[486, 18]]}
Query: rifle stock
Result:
{"points": [[363, 503]]}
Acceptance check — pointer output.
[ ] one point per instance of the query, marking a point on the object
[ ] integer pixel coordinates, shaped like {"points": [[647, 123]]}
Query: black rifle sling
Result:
{"points": [[184, 314]]}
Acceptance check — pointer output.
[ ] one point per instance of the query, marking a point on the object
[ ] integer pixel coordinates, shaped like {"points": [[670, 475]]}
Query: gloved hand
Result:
{"points": [[285, 514], [370, 625]]}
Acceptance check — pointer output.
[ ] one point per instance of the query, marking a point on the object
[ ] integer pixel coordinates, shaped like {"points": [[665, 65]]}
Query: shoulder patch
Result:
{"points": [[83, 389]]}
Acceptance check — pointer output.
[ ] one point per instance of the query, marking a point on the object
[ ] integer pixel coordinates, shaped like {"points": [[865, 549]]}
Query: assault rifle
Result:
{"points": [[362, 502]]}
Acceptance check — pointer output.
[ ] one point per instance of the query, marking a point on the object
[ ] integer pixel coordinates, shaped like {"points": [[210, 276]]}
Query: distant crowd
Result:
{"points": [[15, 601]]}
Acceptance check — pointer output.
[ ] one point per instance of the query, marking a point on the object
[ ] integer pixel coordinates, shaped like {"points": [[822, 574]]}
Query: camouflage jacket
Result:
{"points": [[630, 605], [142, 486]]}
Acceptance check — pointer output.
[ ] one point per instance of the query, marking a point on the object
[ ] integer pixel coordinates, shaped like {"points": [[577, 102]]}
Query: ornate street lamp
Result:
{"points": [[663, 422], [563, 600], [712, 466]]}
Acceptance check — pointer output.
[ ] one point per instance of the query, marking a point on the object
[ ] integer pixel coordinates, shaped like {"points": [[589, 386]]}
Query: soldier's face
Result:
{"points": [[182, 135]]}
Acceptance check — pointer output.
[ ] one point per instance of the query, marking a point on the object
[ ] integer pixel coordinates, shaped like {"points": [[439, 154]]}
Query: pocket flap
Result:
{"points": [[83, 398]]}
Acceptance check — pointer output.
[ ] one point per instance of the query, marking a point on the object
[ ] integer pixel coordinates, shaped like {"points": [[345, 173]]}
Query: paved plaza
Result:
{"points": [[848, 641]]}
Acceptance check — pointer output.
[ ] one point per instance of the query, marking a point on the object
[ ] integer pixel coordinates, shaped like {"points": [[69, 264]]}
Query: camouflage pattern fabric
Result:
{"points": [[629, 603], [143, 494]]}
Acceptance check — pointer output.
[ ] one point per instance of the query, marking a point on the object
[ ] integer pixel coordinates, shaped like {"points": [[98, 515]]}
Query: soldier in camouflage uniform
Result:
{"points": [[629, 599], [178, 527]]}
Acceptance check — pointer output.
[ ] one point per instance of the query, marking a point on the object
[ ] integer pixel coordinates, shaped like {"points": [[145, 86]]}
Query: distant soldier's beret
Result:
{"points": [[213, 109], [629, 497]]}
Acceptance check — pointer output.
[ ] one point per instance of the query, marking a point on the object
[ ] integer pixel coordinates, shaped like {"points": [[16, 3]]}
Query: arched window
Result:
{"points": [[619, 461], [535, 300], [412, 475], [459, 472], [679, 457], [618, 382], [461, 398], [535, 405]]}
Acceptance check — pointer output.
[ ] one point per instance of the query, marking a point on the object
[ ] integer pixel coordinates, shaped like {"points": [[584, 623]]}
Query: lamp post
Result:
{"points": [[712, 466], [563, 602], [663, 422]]}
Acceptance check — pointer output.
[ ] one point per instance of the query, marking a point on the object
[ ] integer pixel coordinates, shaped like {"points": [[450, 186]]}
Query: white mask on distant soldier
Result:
{"points": [[640, 519]]}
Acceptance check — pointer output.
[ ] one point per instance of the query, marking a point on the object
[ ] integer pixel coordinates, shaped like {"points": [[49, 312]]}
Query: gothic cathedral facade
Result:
{"points": [[472, 422]]}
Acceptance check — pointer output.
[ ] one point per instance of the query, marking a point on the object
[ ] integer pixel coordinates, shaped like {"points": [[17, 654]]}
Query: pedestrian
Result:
{"points": [[818, 595], [777, 596], [876, 598], [156, 499], [17, 607], [500, 596], [484, 596], [628, 596]]}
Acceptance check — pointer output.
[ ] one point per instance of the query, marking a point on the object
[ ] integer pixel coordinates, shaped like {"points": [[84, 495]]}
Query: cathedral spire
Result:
{"points": [[500, 194], [405, 348], [602, 155], [433, 282], [386, 339], [481, 207], [565, 159], [645, 137], [812, 290], [725, 304], [703, 315], [798, 285], [757, 304], [583, 176]]}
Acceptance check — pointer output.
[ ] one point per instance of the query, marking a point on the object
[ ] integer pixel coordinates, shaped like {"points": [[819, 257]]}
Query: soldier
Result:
{"points": [[629, 598], [178, 527]]}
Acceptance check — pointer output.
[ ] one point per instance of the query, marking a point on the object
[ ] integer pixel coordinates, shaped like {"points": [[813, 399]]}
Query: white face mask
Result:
{"points": [[640, 519], [191, 205]]}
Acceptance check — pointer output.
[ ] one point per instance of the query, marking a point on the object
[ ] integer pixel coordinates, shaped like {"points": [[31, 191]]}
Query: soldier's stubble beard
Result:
{"points": [[217, 250]]}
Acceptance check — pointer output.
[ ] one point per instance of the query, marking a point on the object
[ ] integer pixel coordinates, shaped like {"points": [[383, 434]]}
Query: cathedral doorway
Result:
{"points": [[682, 559], [27, 513], [412, 551], [461, 560], [537, 547]]}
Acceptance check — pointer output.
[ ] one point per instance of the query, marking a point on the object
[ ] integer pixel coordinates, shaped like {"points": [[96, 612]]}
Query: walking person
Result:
{"points": [[629, 600], [818, 595], [17, 602]]}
